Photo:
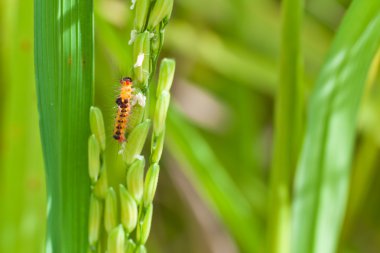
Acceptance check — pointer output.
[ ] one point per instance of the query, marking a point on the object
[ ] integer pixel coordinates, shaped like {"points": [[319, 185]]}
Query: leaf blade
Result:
{"points": [[324, 167], [64, 77]]}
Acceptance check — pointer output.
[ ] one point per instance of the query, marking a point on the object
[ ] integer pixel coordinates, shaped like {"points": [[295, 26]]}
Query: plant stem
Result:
{"points": [[288, 127]]}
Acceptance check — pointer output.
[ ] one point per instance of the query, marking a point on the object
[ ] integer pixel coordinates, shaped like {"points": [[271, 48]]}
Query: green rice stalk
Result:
{"points": [[135, 209], [288, 128], [146, 47]]}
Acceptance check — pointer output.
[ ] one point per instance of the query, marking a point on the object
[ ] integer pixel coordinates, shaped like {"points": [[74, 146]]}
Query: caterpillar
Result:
{"points": [[123, 102]]}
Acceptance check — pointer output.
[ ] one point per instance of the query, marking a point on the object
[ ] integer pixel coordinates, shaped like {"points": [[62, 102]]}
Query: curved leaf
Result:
{"points": [[324, 167]]}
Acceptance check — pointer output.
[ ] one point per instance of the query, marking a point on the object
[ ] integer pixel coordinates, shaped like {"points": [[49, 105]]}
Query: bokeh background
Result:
{"points": [[212, 193]]}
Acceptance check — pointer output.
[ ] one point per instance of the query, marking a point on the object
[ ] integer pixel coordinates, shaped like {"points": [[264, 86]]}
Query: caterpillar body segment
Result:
{"points": [[123, 102]]}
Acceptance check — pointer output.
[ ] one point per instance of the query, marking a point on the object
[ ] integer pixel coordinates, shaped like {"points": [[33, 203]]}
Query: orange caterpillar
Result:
{"points": [[123, 109]]}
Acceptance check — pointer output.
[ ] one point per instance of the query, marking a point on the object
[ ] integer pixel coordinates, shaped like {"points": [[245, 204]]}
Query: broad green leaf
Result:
{"points": [[64, 74], [324, 168]]}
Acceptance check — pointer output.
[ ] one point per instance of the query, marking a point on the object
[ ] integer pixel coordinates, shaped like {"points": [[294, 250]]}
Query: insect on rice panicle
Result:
{"points": [[123, 102]]}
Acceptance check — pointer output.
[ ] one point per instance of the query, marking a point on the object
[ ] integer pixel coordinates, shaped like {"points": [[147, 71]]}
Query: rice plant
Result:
{"points": [[266, 140], [128, 211], [135, 194]]}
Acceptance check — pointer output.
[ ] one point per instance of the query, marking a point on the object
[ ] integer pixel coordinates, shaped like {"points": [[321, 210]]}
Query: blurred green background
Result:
{"points": [[213, 188]]}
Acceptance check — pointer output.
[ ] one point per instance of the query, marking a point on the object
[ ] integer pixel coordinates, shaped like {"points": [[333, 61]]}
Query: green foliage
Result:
{"points": [[323, 172], [229, 150], [64, 74], [134, 217], [22, 188]]}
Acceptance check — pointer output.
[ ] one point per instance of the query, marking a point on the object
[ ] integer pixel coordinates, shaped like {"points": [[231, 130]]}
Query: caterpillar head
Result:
{"points": [[126, 81]]}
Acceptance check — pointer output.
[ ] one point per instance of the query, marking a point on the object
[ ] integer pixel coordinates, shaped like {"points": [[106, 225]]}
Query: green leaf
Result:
{"points": [[324, 168], [64, 74]]}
